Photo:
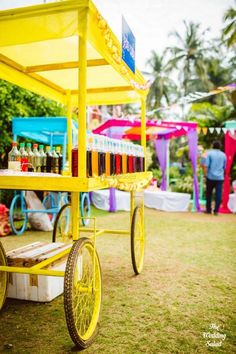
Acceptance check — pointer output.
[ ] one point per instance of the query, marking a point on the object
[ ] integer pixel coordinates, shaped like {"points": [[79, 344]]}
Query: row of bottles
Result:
{"points": [[37, 160], [109, 157]]}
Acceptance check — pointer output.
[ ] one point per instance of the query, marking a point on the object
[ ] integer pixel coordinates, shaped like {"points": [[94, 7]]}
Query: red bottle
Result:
{"points": [[75, 162]]}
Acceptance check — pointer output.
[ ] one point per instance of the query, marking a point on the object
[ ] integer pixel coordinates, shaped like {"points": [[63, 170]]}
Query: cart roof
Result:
{"points": [[39, 48]]}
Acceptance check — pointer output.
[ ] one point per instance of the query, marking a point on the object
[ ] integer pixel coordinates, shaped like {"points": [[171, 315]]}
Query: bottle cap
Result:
{"points": [[58, 149], [22, 145], [40, 147], [14, 143], [53, 148], [35, 146], [28, 145], [48, 148]]}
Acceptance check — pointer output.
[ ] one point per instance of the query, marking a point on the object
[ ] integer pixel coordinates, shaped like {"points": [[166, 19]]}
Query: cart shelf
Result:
{"points": [[126, 182]]}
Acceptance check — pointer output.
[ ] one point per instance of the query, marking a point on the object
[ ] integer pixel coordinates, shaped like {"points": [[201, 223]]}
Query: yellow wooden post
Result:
{"points": [[82, 89], [131, 207], [69, 128], [75, 214], [143, 126]]}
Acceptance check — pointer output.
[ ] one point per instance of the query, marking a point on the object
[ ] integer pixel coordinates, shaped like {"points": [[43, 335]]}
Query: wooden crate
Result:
{"points": [[36, 287]]}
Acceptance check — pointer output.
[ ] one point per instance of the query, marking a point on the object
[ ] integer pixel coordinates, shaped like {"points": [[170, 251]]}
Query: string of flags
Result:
{"points": [[217, 130], [196, 96]]}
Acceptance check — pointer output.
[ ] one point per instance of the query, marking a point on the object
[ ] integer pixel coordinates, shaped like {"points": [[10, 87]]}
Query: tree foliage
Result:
{"points": [[17, 102]]}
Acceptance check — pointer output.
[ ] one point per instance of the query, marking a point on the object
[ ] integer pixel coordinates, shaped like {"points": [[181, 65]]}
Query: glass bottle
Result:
{"points": [[124, 157], [43, 159], [95, 157], [48, 159], [14, 162], [55, 161], [30, 157], [118, 158], [107, 157], [74, 153], [60, 159], [23, 158], [89, 143], [36, 158]]}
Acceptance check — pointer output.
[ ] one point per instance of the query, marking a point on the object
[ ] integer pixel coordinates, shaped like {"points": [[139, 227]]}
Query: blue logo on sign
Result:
{"points": [[128, 46]]}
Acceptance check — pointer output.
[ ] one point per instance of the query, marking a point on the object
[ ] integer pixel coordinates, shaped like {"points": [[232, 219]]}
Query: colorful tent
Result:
{"points": [[230, 151], [161, 133]]}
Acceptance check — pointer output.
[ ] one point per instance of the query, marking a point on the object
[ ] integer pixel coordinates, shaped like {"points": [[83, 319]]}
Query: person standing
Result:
{"points": [[215, 166]]}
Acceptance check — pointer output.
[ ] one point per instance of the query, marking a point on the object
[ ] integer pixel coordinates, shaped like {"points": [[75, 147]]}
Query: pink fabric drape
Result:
{"points": [[230, 151]]}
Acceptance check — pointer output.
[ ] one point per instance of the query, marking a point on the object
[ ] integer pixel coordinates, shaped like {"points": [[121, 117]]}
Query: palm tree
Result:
{"points": [[229, 32], [162, 86], [189, 58]]}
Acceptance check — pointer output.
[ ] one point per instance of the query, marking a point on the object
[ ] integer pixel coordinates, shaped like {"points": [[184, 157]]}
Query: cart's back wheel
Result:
{"points": [[50, 202], [18, 218], [82, 292], [3, 277], [85, 208], [137, 240], [62, 229]]}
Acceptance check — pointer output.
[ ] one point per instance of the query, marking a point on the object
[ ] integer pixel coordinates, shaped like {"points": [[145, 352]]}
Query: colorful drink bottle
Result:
{"points": [[74, 159], [43, 158], [124, 157], [36, 159], [30, 157], [95, 157], [108, 153], [60, 159], [130, 160], [118, 161], [14, 158], [89, 143], [48, 159], [112, 158], [101, 155], [23, 158]]}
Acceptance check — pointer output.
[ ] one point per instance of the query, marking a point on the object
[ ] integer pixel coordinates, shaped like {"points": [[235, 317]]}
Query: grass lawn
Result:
{"points": [[187, 285]]}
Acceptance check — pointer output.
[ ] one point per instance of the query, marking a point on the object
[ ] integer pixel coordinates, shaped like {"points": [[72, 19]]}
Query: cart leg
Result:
{"points": [[82, 292], [75, 207], [3, 277]]}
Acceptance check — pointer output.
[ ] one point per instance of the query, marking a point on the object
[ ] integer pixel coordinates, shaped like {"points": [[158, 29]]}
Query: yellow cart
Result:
{"points": [[66, 51]]}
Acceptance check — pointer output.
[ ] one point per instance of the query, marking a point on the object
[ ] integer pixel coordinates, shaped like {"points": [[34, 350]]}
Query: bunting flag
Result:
{"points": [[195, 96], [218, 130]]}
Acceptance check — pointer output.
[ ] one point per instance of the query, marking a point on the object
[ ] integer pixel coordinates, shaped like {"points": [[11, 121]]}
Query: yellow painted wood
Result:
{"points": [[75, 215], [24, 270], [50, 260], [106, 231], [66, 65], [131, 207], [76, 184], [82, 102], [143, 128]]}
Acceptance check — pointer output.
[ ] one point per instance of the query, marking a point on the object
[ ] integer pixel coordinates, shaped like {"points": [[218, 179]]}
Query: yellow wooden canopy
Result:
{"points": [[40, 52]]}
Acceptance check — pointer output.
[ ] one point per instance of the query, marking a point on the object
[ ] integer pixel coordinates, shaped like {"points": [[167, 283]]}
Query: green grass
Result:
{"points": [[188, 283]]}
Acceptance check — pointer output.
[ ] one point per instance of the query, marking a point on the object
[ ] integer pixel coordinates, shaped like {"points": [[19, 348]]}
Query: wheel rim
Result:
{"points": [[83, 294], [85, 297], [63, 225], [85, 209], [3, 277], [49, 202], [18, 219], [138, 240]]}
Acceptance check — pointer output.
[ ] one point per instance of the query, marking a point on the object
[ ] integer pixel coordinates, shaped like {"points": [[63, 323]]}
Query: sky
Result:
{"points": [[152, 20]]}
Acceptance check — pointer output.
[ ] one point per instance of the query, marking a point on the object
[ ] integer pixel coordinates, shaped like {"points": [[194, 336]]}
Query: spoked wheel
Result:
{"points": [[18, 218], [82, 292], [3, 277], [85, 208], [137, 240], [49, 202], [62, 229]]}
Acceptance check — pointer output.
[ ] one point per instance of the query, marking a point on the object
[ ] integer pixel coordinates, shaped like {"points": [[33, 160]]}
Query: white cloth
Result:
{"points": [[167, 201], [101, 198], [232, 202]]}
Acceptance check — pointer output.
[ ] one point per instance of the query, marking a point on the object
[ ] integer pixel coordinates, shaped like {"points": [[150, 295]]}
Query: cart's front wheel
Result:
{"points": [[137, 240], [82, 292], [3, 277], [18, 217], [62, 229]]}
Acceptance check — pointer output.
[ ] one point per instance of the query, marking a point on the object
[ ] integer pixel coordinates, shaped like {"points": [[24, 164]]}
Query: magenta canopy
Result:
{"points": [[161, 132]]}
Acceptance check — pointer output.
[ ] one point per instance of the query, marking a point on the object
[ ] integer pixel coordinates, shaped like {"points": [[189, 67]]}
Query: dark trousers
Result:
{"points": [[210, 185]]}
